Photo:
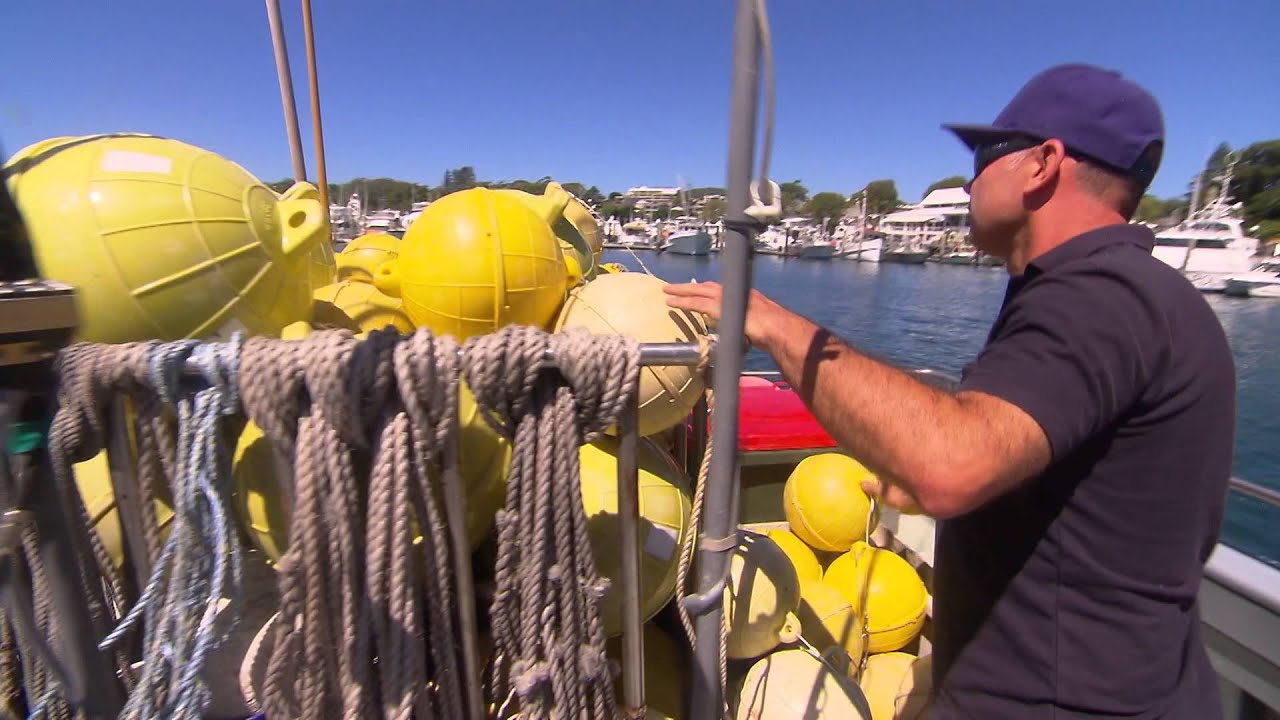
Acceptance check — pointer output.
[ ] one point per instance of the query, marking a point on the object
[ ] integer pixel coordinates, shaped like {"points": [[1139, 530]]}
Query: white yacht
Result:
{"points": [[1210, 246], [1262, 281]]}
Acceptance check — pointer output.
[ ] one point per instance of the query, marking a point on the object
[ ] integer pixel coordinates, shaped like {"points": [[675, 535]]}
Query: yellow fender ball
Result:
{"points": [[360, 259], [476, 261], [349, 303], [164, 240], [827, 619], [664, 523], [485, 459], [808, 569], [895, 596], [634, 304], [666, 671], [764, 593], [897, 685], [613, 267], [576, 228], [795, 685], [824, 502]]}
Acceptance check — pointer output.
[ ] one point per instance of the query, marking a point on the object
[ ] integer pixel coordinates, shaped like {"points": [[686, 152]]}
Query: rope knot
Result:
{"points": [[528, 677], [602, 371]]}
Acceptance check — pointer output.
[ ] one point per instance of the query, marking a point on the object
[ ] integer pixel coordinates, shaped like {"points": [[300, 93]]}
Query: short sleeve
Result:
{"points": [[1072, 350]]}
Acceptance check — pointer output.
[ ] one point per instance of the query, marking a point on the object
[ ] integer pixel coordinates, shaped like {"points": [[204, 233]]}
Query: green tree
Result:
{"points": [[827, 206], [882, 196], [280, 185], [1256, 184], [794, 195], [712, 210]]}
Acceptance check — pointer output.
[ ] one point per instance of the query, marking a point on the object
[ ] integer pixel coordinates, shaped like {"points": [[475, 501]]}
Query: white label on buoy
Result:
{"points": [[129, 161], [660, 542]]}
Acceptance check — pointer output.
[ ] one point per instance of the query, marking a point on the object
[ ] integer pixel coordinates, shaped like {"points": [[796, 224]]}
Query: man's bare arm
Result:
{"points": [[952, 452]]}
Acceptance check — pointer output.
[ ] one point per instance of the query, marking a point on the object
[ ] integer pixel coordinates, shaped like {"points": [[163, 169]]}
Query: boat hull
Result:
{"points": [[904, 257], [697, 244]]}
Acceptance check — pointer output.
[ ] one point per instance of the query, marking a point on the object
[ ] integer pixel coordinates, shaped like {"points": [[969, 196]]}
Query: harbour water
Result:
{"points": [[937, 316]]}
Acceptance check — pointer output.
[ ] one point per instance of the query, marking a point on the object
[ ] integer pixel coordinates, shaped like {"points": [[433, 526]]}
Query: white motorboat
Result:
{"points": [[1210, 246], [1262, 281]]}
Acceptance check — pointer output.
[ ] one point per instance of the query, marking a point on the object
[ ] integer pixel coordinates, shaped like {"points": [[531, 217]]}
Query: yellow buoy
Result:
{"points": [[475, 261], [579, 253], [764, 593], [824, 502], [666, 669], [808, 569], [613, 267], [164, 240], [895, 596], [348, 303], [827, 619], [795, 685], [360, 259], [896, 685], [634, 304], [485, 458], [93, 479], [664, 523]]}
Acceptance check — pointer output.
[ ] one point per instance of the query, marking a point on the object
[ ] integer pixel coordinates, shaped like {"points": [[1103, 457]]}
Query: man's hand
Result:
{"points": [[765, 318], [892, 495]]}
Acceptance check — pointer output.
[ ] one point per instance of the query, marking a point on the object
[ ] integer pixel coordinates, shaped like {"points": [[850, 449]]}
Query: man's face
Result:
{"points": [[996, 208]]}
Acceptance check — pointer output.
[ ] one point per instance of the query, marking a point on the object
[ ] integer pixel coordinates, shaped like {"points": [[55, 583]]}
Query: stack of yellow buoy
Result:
{"points": [[859, 607]]}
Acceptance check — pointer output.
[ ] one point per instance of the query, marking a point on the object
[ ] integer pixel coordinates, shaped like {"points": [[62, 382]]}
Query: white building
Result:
{"points": [[652, 197], [942, 212]]}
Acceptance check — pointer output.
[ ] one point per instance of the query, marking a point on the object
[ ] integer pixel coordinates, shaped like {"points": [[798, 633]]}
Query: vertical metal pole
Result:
{"points": [[286, 90], [719, 515], [629, 526], [313, 78], [456, 518], [123, 463]]}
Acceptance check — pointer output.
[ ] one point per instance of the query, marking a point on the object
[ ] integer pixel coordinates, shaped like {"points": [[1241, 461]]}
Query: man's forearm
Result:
{"points": [[904, 430]]}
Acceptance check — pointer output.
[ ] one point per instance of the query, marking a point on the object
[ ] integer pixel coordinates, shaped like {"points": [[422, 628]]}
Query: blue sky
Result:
{"points": [[619, 93]]}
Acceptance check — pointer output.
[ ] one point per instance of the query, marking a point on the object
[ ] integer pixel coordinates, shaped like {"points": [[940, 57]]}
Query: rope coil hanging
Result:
{"points": [[549, 641]]}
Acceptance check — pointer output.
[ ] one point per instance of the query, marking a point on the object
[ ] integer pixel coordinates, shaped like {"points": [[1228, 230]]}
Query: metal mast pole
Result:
{"points": [[313, 79], [719, 513], [286, 90]]}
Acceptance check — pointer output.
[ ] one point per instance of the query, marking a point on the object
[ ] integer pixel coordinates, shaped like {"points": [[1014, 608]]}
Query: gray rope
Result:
{"points": [[548, 635], [190, 579]]}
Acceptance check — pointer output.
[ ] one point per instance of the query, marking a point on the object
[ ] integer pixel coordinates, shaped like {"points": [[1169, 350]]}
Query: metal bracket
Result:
{"points": [[37, 318]]}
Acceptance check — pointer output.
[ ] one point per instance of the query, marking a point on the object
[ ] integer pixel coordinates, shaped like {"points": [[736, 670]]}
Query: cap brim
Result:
{"points": [[974, 135]]}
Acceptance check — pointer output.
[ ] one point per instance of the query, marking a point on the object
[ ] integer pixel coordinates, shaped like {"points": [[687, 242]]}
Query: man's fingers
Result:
{"points": [[702, 305], [707, 289]]}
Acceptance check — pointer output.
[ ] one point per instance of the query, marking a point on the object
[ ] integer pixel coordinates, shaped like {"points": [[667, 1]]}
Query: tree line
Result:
{"points": [[1255, 185]]}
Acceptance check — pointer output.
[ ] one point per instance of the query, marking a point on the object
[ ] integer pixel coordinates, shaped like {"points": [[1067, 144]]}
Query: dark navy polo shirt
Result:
{"points": [[1074, 595]]}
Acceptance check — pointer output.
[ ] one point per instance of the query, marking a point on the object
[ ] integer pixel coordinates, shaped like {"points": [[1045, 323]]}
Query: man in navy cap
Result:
{"points": [[1079, 472]]}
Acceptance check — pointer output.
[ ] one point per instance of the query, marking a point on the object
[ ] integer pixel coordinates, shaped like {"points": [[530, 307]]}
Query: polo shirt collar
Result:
{"points": [[1088, 243]]}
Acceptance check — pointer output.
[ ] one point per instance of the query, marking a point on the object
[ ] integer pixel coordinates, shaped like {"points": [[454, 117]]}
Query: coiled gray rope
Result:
{"points": [[549, 656]]}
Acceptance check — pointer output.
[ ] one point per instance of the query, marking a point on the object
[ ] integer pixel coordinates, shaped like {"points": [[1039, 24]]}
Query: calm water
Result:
{"points": [[937, 316]]}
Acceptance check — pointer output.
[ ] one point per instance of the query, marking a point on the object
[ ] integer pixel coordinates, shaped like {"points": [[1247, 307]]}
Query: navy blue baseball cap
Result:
{"points": [[1095, 112]]}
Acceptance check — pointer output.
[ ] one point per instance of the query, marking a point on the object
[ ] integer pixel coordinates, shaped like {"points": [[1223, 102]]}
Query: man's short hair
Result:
{"points": [[1121, 190]]}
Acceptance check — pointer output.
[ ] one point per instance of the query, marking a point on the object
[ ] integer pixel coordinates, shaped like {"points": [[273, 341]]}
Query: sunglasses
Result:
{"points": [[984, 155]]}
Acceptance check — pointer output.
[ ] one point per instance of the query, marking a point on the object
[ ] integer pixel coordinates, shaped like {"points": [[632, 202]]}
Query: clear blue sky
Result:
{"points": [[619, 93]]}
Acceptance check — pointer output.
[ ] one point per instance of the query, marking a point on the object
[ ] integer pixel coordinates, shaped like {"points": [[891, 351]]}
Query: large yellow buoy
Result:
{"points": [[795, 685], [475, 261], [808, 569], [634, 304], [485, 459], [347, 303], [896, 685], [360, 259], [824, 502], [164, 240], [895, 596], [827, 619], [664, 523], [93, 479], [764, 593], [666, 672]]}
